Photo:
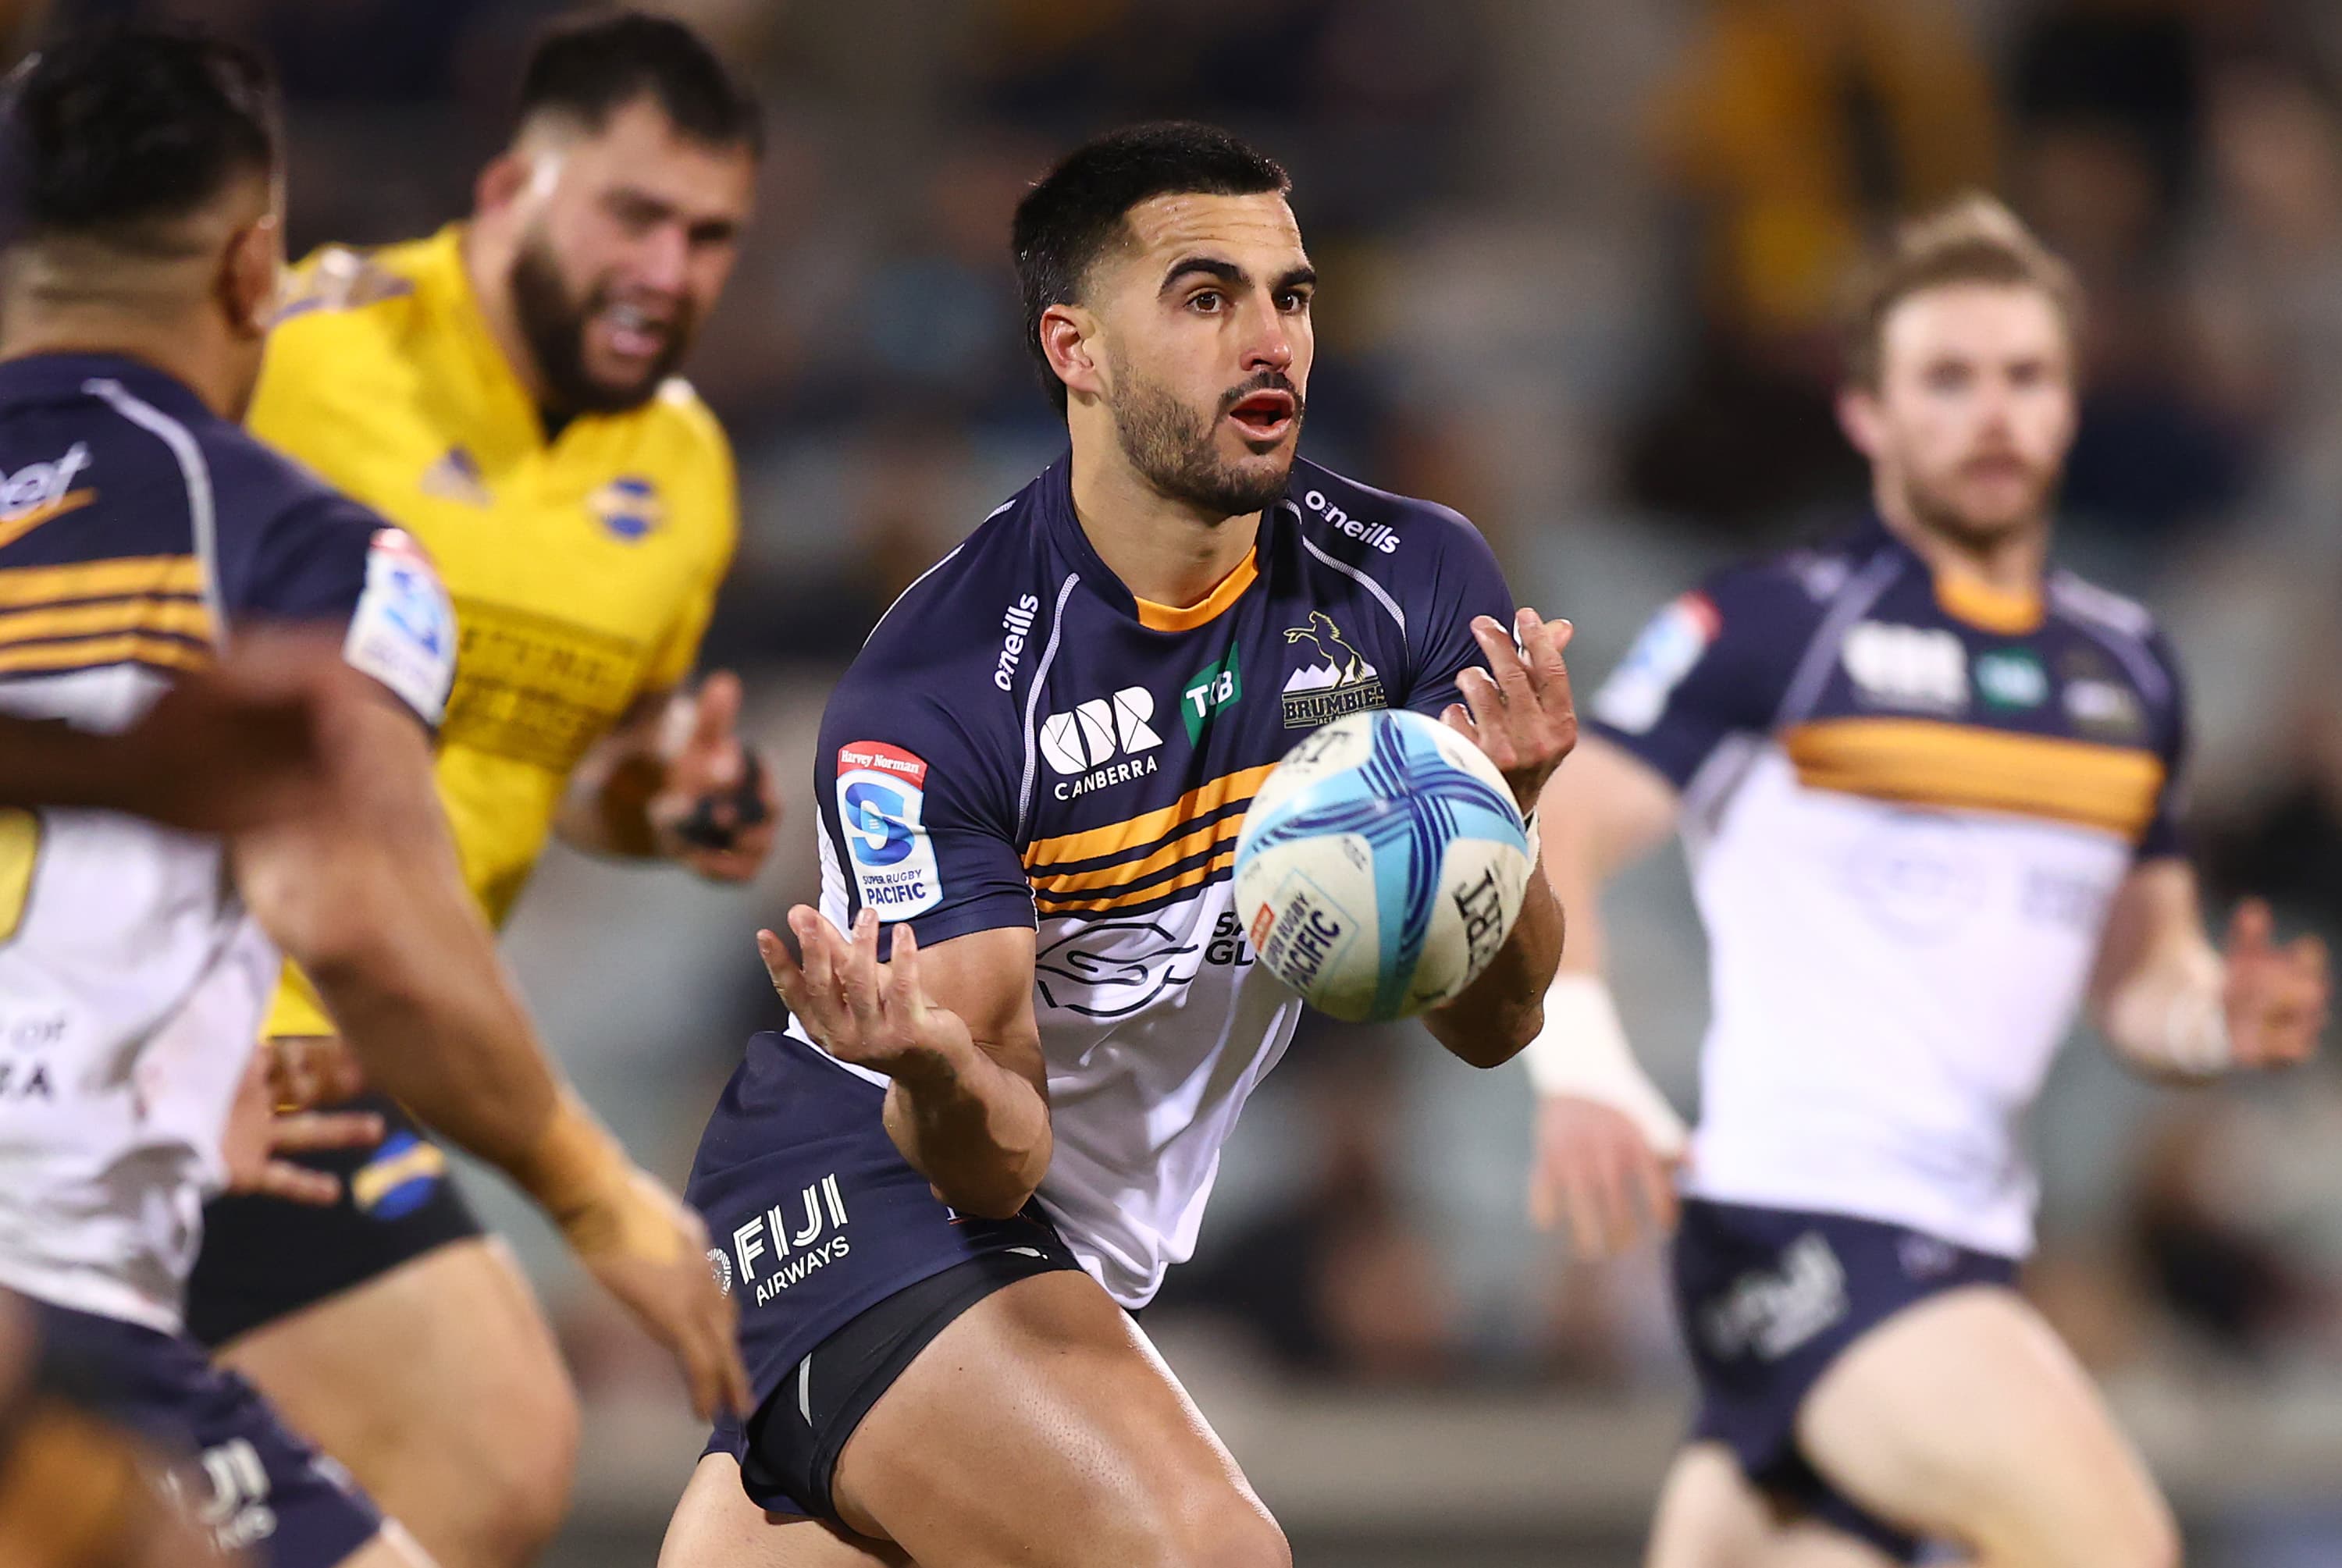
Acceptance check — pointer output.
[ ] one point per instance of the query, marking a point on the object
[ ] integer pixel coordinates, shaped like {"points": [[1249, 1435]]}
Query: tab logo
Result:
{"points": [[881, 800], [40, 490], [1214, 688]]}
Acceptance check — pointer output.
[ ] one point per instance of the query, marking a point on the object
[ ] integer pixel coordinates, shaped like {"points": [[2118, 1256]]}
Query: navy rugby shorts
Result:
{"points": [[835, 1249], [237, 1469], [1769, 1299]]}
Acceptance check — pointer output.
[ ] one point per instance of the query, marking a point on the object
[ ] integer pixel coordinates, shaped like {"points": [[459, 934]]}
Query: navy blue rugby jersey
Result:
{"points": [[137, 532], [1907, 801], [1022, 742]]}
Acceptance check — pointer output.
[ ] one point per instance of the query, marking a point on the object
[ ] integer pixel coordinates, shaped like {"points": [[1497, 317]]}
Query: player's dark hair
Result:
{"points": [[590, 69], [1066, 223], [117, 132], [1972, 239]]}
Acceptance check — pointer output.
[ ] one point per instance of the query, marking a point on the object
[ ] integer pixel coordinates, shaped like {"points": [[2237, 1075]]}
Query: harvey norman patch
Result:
{"points": [[403, 633], [881, 796]]}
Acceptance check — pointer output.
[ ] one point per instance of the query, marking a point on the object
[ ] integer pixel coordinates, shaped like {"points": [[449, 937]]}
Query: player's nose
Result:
{"points": [[1268, 345], [662, 260]]}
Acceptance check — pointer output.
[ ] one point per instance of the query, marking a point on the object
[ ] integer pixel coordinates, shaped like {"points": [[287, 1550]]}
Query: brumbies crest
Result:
{"points": [[1334, 679]]}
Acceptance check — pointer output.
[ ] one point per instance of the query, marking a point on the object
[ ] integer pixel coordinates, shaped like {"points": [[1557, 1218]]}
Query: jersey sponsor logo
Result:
{"points": [[226, 1490], [789, 1241], [1771, 1312], [40, 490], [535, 689], [1917, 668], [403, 633], [2011, 678], [628, 507], [1636, 693], [719, 1263], [1102, 743], [456, 476], [2100, 704], [1016, 621], [1215, 686], [1381, 536], [881, 797], [1335, 680]]}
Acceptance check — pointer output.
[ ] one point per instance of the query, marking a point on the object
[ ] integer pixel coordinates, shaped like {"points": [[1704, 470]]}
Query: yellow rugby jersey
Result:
{"points": [[583, 568]]}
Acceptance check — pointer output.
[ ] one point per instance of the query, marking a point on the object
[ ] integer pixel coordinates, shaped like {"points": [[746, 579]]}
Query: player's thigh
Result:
{"points": [[717, 1526], [1964, 1417], [1039, 1429], [1710, 1516], [438, 1384]]}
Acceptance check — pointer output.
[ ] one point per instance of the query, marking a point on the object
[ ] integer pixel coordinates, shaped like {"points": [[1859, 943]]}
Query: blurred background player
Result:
{"points": [[1928, 785], [505, 390], [142, 529], [938, 1193]]}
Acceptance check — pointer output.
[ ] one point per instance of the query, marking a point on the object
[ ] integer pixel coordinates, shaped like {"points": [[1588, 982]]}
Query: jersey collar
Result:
{"points": [[1968, 599], [45, 376], [1054, 494], [445, 281]]}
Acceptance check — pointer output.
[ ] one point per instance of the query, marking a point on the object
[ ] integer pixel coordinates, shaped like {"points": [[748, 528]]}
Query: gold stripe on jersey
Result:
{"points": [[14, 528], [184, 617], [1928, 763], [1186, 847], [1147, 829], [101, 580], [1193, 877], [81, 652]]}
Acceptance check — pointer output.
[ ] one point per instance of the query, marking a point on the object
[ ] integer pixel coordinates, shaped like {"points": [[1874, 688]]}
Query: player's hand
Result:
{"points": [[716, 810], [257, 1134], [2276, 997], [650, 1251], [1594, 1169], [309, 1070], [1519, 710], [873, 1014]]}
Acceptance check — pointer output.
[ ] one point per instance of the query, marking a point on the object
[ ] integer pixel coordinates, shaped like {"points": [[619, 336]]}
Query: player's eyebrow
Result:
{"points": [[1303, 276], [1227, 272]]}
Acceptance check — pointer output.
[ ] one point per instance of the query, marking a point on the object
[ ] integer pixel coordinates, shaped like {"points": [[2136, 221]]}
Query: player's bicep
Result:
{"points": [[1605, 808], [986, 977]]}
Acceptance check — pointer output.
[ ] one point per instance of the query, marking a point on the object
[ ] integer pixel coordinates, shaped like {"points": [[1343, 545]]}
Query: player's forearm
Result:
{"points": [[1502, 1011], [607, 810], [2162, 1013], [977, 1130], [43, 763]]}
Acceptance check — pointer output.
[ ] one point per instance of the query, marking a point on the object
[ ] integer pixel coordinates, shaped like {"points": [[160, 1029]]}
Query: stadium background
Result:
{"points": [[1579, 257]]}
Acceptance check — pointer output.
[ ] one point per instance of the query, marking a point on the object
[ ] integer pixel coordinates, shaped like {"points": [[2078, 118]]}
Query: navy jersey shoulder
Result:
{"points": [[1721, 660], [1426, 563]]}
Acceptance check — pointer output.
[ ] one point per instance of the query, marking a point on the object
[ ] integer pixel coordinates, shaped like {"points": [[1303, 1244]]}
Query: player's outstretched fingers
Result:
{"points": [[1488, 721], [714, 721], [1512, 676], [1458, 718], [1660, 1201], [861, 976], [906, 1003]]}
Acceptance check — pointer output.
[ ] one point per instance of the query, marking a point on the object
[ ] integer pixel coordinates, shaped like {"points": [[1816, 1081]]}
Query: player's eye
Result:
{"points": [[1208, 301], [1293, 300], [1947, 378]]}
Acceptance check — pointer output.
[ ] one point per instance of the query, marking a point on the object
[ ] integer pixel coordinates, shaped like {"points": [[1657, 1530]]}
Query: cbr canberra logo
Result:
{"points": [[1085, 741]]}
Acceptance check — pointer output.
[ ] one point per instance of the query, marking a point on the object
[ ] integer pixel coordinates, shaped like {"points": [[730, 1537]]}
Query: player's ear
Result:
{"points": [[501, 182], [251, 272], [1858, 416], [1069, 339]]}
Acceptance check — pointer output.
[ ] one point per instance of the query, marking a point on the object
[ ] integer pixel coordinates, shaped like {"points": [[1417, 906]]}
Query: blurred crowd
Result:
{"points": [[1580, 267]]}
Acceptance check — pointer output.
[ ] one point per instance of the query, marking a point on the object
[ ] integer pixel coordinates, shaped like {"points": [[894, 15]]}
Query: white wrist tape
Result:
{"points": [[1582, 1051], [2173, 1021]]}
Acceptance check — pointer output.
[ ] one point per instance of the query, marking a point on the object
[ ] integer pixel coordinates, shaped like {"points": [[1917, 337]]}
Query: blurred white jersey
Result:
{"points": [[1906, 806], [132, 980]]}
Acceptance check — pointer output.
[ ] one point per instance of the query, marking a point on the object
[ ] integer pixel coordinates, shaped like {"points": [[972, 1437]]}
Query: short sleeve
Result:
{"points": [[917, 822], [329, 560], [1713, 663], [1466, 584], [2164, 837]]}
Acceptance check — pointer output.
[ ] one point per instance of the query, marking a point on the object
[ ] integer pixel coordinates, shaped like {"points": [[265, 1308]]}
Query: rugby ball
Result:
{"points": [[1381, 867]]}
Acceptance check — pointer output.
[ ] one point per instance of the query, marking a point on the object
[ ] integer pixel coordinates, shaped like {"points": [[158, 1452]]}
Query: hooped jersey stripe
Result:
{"points": [[2113, 788], [177, 574], [87, 653], [155, 613], [1147, 829], [1222, 826]]}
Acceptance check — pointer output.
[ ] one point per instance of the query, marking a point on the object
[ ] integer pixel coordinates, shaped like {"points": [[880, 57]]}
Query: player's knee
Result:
{"points": [[523, 1464], [1223, 1528]]}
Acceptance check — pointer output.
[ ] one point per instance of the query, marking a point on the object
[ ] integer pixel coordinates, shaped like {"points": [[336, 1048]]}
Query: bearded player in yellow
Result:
{"points": [[504, 390]]}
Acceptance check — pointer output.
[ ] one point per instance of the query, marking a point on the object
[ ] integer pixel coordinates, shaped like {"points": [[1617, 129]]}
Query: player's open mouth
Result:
{"points": [[634, 332], [1265, 416]]}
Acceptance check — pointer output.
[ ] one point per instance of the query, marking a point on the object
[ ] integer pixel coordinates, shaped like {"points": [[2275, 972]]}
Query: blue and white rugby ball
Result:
{"points": [[1381, 867]]}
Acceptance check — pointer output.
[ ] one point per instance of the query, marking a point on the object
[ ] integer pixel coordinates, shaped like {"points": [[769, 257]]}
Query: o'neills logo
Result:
{"points": [[1016, 623], [879, 757], [1335, 680], [1380, 536]]}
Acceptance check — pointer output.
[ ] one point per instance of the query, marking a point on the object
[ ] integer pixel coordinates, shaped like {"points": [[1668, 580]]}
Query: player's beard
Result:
{"points": [[1172, 447], [553, 322], [1938, 511]]}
